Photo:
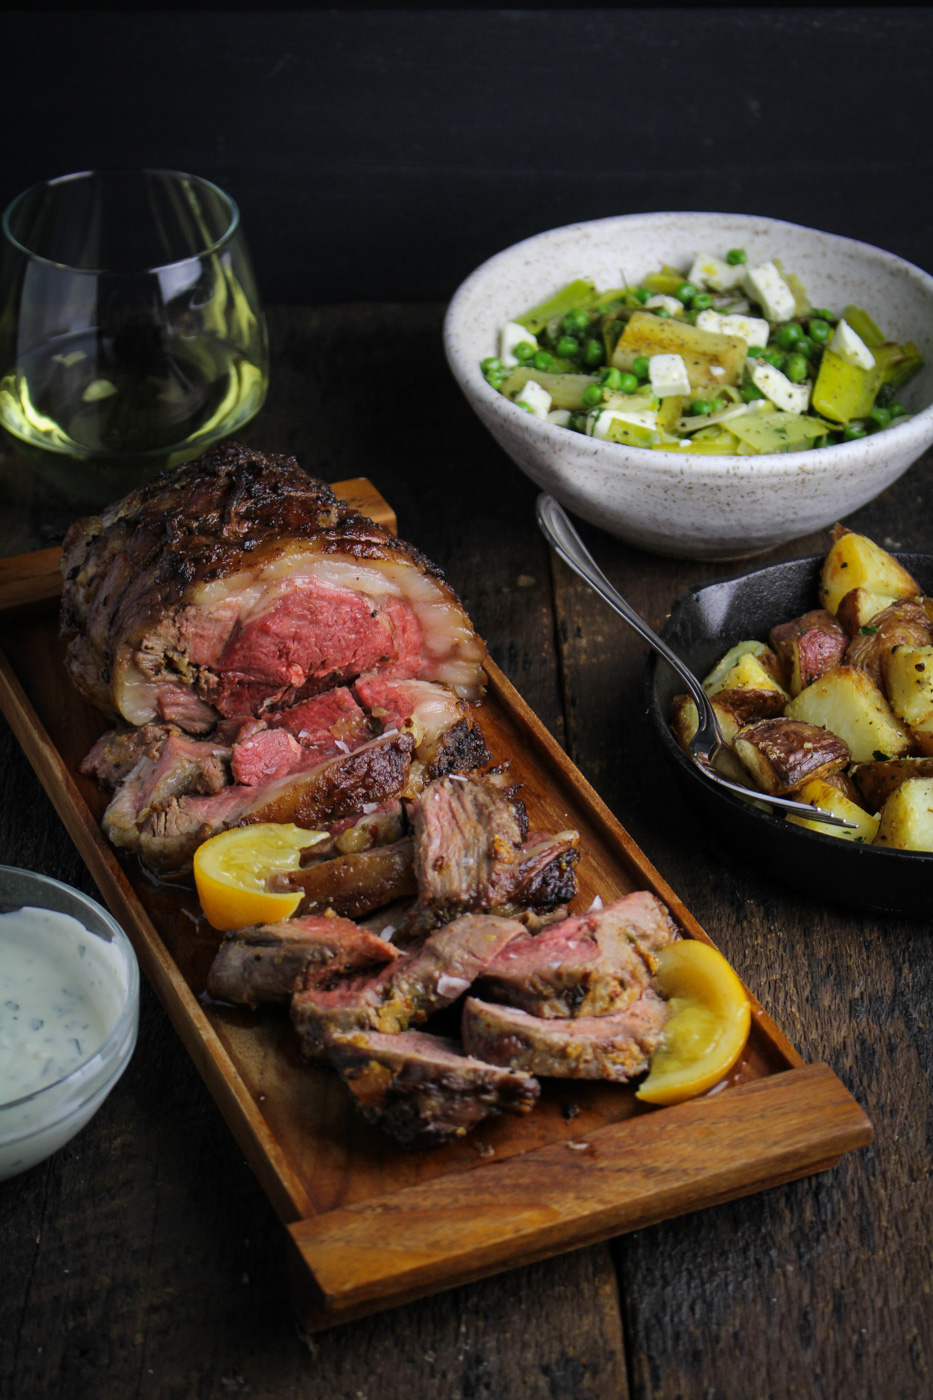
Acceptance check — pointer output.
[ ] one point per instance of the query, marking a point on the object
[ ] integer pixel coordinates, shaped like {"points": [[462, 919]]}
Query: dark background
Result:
{"points": [[382, 154]]}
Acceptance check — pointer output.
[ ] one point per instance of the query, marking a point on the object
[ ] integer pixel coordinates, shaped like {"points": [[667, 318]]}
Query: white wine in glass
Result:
{"points": [[131, 333]]}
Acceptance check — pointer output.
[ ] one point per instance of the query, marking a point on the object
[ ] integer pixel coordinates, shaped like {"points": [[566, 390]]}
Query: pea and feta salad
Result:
{"points": [[725, 358]]}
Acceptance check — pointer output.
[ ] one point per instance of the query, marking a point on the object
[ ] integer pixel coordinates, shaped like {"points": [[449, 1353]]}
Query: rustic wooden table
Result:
{"points": [[143, 1260]]}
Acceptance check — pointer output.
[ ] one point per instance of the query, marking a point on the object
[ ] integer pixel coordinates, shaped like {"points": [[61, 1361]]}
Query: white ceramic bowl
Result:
{"points": [[37, 1124], [702, 507]]}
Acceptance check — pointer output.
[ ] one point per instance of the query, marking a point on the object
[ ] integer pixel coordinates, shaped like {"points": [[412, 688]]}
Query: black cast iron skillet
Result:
{"points": [[704, 623]]}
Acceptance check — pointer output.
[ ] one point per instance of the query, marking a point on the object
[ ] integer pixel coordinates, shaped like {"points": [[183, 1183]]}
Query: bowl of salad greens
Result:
{"points": [[701, 385]]}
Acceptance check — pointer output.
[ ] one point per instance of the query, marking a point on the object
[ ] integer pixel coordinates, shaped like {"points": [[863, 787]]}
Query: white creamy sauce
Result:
{"points": [[61, 991]]}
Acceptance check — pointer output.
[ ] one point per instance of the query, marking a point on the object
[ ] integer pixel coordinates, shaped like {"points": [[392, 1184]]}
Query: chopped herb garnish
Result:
{"points": [[868, 631]]}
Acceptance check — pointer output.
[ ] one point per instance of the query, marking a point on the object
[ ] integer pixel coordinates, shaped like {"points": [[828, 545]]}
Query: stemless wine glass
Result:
{"points": [[131, 334]]}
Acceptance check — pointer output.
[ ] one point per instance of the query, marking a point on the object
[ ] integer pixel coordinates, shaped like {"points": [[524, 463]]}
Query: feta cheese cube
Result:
{"points": [[597, 423], [793, 398], [668, 375], [513, 334], [560, 416], [708, 271], [665, 303], [747, 328], [850, 346], [768, 287], [535, 398]]}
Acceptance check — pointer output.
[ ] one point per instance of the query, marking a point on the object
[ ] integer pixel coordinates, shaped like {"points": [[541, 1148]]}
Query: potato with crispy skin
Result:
{"points": [[808, 647], [824, 794], [748, 665], [854, 561], [907, 817], [686, 723], [909, 672], [877, 779], [904, 623], [781, 754], [859, 607], [847, 702]]}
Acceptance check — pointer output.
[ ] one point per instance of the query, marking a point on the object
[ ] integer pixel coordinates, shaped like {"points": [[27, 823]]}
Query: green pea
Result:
{"points": [[702, 301], [701, 408], [491, 362], [576, 321], [775, 358], [788, 336], [496, 377], [691, 317], [796, 368], [593, 353], [524, 350], [750, 391], [644, 294], [805, 346], [821, 313], [640, 367], [592, 396], [685, 293], [662, 312], [755, 352], [896, 409], [819, 330], [716, 404], [736, 256], [568, 347], [611, 379], [543, 360], [853, 431], [878, 417], [628, 383]]}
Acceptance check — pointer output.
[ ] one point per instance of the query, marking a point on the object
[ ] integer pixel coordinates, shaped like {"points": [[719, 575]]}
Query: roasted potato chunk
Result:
{"points": [[907, 817], [686, 723], [847, 702], [854, 561], [904, 623], [909, 672], [878, 779], [808, 647], [748, 671], [781, 754], [859, 607], [824, 794]]}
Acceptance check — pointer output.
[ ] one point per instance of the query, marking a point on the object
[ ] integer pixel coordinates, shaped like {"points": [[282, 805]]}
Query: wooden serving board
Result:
{"points": [[373, 1224]]}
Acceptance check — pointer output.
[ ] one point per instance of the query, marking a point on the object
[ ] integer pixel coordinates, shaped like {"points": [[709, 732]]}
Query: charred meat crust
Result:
{"points": [[264, 963], [354, 885], [421, 1089]]}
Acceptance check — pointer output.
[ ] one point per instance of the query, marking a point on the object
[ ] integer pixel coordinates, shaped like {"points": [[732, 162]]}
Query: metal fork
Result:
{"points": [[707, 741]]}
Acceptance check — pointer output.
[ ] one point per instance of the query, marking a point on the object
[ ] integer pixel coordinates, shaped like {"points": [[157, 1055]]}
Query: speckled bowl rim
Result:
{"points": [[468, 374]]}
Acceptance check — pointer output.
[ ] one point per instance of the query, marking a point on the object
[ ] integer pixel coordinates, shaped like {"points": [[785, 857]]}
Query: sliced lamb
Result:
{"points": [[447, 737], [237, 585], [470, 854], [328, 723], [264, 963], [421, 1089], [117, 752], [587, 966], [408, 992], [354, 885], [167, 838], [382, 826], [615, 1047]]}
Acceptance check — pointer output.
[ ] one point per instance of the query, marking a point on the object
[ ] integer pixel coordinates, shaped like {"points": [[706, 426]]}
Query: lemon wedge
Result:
{"points": [[232, 870], [707, 1028]]}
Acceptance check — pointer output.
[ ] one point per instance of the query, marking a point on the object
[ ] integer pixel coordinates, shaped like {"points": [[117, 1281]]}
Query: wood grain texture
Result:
{"points": [[177, 1264]]}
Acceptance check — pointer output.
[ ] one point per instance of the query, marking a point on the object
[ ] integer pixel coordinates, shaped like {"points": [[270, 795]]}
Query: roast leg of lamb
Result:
{"points": [[615, 1047], [589, 965], [264, 963], [238, 585], [423, 1090]]}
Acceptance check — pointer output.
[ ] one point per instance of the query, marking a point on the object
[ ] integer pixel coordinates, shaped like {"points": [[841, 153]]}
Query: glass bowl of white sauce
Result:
{"points": [[69, 1013]]}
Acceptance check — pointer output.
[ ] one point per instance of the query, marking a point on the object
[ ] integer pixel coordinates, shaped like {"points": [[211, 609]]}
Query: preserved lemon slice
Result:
{"points": [[707, 1028], [232, 870]]}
